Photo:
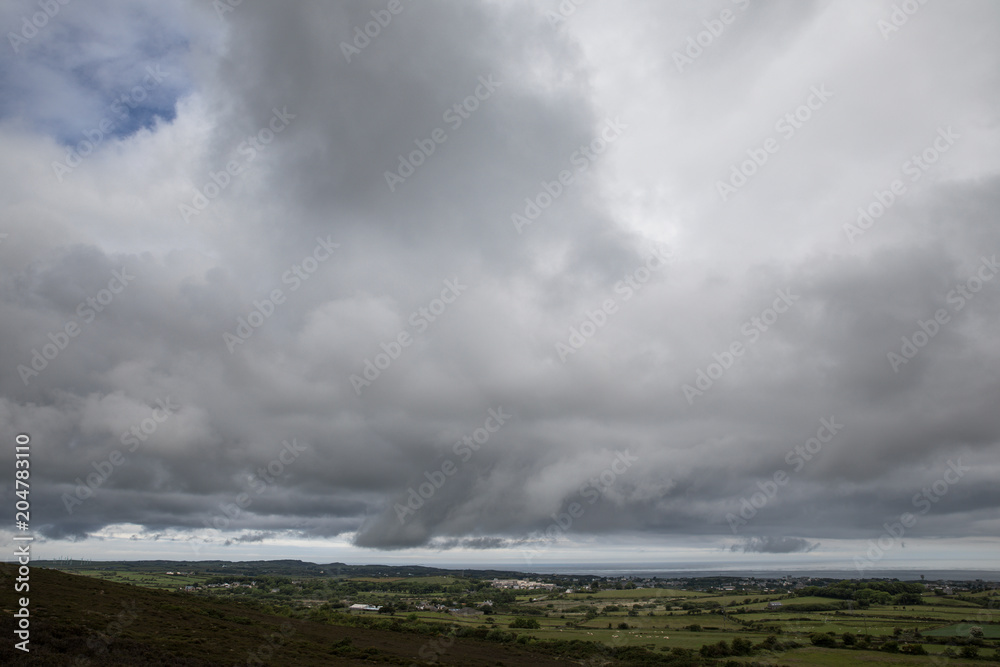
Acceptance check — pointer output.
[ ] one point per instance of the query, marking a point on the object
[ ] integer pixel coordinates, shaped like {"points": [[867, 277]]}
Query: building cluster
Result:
{"points": [[252, 584], [521, 584], [458, 611]]}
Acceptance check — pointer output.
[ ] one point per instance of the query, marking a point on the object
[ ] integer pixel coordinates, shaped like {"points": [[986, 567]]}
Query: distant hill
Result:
{"points": [[83, 621], [280, 567]]}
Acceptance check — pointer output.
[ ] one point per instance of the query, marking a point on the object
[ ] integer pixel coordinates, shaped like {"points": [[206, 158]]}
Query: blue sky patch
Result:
{"points": [[80, 79]]}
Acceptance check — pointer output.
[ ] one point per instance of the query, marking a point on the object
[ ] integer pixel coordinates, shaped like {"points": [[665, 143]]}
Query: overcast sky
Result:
{"points": [[504, 281]]}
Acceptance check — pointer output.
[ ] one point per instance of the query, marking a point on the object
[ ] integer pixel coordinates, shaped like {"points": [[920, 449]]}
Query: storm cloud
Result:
{"points": [[477, 277]]}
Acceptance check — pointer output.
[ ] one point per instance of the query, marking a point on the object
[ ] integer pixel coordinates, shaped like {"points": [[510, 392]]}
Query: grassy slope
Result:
{"points": [[825, 657], [136, 625], [182, 629]]}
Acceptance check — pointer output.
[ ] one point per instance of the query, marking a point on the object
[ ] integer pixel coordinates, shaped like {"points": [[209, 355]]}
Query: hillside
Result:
{"points": [[82, 621], [288, 567]]}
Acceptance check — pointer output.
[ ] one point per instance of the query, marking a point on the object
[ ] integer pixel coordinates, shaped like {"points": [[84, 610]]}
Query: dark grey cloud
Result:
{"points": [[250, 538], [147, 425], [775, 545], [473, 543]]}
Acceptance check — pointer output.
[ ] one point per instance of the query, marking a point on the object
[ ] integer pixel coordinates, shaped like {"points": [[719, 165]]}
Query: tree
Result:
{"points": [[742, 646], [526, 623], [969, 651], [720, 650], [849, 638], [769, 643], [913, 649]]}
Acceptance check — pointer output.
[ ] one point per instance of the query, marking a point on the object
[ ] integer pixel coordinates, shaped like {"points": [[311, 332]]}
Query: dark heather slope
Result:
{"points": [[81, 621]]}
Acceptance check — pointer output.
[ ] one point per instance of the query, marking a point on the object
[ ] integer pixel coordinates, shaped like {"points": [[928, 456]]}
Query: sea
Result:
{"points": [[611, 570]]}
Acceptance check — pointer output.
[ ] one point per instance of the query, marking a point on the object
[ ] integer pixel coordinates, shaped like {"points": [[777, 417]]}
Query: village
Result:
{"points": [[708, 616]]}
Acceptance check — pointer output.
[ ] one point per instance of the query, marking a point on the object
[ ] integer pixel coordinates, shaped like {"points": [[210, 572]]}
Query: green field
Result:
{"points": [[426, 580], [689, 626], [962, 630], [666, 629], [150, 579]]}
